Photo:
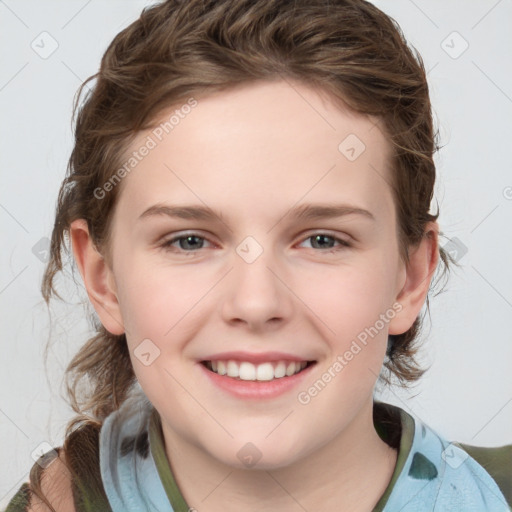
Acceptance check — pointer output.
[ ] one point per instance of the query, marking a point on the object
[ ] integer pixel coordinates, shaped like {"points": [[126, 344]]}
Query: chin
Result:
{"points": [[255, 456]]}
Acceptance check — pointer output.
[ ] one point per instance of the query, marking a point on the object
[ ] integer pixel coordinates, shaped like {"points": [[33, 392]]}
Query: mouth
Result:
{"points": [[264, 372]]}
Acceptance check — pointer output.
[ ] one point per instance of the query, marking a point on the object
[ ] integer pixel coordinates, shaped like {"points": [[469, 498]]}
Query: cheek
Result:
{"points": [[347, 298], [155, 298], [348, 303]]}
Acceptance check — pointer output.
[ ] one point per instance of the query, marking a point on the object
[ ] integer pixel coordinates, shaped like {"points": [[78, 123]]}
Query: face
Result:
{"points": [[267, 279]]}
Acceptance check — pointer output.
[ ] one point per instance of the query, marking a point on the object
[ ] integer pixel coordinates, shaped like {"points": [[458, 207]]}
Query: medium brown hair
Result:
{"points": [[348, 49]]}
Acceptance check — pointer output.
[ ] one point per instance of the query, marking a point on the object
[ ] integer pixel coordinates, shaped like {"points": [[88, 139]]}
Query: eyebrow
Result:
{"points": [[302, 213]]}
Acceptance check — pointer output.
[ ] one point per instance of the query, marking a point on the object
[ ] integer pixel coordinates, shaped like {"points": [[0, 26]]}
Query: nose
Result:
{"points": [[256, 292]]}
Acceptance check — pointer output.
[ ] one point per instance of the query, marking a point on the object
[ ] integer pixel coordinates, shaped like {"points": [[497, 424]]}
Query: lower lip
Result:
{"points": [[257, 389]]}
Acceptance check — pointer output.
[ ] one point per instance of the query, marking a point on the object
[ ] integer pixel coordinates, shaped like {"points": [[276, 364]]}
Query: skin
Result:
{"points": [[253, 153]]}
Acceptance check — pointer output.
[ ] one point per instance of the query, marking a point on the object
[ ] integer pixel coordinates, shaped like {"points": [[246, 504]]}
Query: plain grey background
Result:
{"points": [[48, 48]]}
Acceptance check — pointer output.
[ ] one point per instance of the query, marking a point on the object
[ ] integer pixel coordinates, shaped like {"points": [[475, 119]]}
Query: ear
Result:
{"points": [[419, 271], [97, 277]]}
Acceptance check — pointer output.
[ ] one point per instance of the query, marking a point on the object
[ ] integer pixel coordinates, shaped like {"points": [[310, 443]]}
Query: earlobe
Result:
{"points": [[422, 264], [98, 278]]}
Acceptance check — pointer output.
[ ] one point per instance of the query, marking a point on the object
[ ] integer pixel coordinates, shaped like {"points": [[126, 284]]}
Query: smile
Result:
{"points": [[244, 370]]}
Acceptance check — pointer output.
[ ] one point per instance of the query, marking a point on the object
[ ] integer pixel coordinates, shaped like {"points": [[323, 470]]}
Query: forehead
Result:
{"points": [[259, 146]]}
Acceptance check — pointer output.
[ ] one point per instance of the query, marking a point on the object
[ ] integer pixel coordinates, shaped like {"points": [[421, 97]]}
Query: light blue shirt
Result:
{"points": [[431, 475]]}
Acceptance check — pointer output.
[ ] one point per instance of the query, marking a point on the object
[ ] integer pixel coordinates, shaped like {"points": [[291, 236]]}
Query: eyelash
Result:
{"points": [[167, 245]]}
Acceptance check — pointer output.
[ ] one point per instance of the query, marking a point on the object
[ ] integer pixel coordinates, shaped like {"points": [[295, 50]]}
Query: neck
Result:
{"points": [[351, 472]]}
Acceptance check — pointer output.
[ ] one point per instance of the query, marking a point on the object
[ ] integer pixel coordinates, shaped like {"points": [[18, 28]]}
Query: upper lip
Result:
{"points": [[255, 358]]}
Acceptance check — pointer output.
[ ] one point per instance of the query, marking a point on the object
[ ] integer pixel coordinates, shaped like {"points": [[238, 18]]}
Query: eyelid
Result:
{"points": [[173, 237], [342, 242], [167, 242], [328, 232]]}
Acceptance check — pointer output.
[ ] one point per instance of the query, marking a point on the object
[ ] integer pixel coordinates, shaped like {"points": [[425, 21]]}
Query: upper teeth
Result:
{"points": [[264, 371]]}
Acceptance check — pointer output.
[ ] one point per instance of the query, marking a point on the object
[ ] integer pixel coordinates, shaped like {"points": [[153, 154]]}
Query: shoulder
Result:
{"points": [[466, 477], [55, 486], [497, 462], [70, 479]]}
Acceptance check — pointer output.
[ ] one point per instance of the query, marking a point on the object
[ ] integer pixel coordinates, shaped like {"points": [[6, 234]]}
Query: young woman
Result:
{"points": [[248, 204]]}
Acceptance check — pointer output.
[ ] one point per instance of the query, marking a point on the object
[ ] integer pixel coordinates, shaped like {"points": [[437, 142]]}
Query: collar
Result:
{"points": [[430, 474], [435, 475]]}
